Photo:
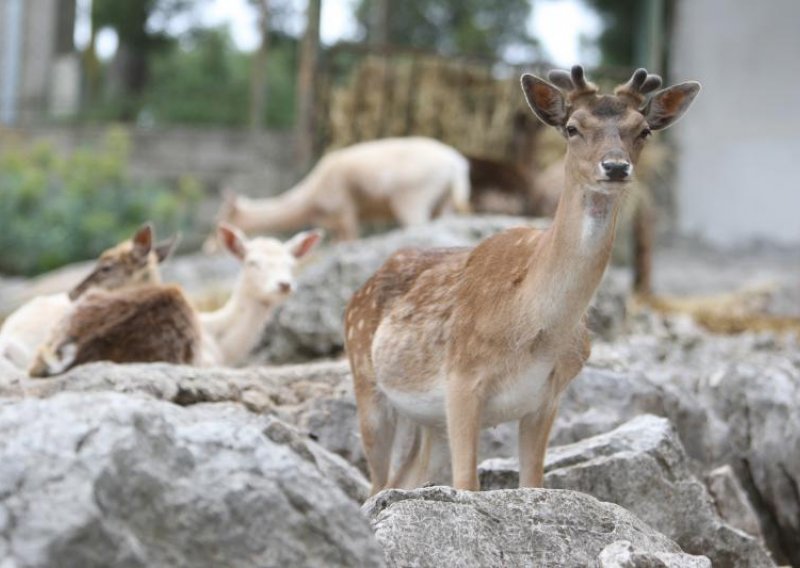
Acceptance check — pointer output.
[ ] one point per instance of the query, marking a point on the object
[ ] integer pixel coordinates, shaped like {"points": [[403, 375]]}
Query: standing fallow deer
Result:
{"points": [[266, 279], [133, 261], [459, 339], [409, 180]]}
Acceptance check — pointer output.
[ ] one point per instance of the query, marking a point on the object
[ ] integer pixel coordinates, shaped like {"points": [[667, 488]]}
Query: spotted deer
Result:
{"points": [[410, 180], [265, 281], [454, 340], [133, 261]]}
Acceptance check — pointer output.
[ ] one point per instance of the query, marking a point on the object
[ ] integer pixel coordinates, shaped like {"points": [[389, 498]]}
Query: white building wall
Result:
{"points": [[739, 167]]}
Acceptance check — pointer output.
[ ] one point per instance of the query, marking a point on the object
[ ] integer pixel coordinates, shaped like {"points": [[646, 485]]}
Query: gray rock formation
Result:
{"points": [[439, 526], [118, 480], [641, 466], [731, 500], [622, 554]]}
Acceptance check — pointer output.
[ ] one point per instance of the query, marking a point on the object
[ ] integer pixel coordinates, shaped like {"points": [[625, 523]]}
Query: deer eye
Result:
{"points": [[572, 131], [645, 133]]}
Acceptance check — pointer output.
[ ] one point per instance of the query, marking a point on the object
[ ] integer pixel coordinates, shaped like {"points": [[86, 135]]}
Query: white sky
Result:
{"points": [[558, 24]]}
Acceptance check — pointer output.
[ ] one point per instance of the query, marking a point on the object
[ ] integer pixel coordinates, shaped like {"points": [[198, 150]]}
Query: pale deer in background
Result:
{"points": [[134, 261], [459, 339], [409, 180], [265, 281]]}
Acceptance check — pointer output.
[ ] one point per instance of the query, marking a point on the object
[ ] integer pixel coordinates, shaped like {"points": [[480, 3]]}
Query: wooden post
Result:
{"points": [[307, 88]]}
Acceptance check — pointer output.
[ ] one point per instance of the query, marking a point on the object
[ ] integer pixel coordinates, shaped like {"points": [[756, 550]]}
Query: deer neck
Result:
{"points": [[286, 212], [575, 252], [236, 327]]}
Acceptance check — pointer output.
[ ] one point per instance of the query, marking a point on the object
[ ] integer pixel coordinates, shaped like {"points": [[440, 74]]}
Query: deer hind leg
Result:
{"points": [[415, 208], [534, 431], [463, 431], [377, 422]]}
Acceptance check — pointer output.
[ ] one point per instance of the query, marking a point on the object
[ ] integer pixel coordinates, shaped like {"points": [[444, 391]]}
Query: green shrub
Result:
{"points": [[60, 209]]}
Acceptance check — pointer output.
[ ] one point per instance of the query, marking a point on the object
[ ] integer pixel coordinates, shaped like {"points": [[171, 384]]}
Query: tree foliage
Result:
{"points": [[471, 27], [617, 41]]}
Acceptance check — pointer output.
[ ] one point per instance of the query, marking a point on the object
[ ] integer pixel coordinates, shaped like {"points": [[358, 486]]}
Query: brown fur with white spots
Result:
{"points": [[457, 339], [408, 180]]}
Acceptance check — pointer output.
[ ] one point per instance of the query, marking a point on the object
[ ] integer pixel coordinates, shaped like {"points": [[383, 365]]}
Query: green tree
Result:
{"points": [[623, 41], [139, 25], [469, 27], [204, 79]]}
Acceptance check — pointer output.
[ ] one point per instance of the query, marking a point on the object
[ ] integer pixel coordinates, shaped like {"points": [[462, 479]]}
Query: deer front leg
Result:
{"points": [[463, 429], [534, 431]]}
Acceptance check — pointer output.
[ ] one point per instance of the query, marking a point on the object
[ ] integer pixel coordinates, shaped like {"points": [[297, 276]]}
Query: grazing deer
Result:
{"points": [[408, 179], [133, 261], [265, 281], [459, 339]]}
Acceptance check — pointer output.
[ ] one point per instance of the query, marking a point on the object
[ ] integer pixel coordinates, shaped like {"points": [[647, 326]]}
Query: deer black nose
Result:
{"points": [[616, 169], [284, 287]]}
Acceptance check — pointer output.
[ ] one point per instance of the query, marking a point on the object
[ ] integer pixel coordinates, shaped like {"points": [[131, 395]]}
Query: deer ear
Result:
{"points": [[233, 240], [143, 239], [165, 248], [303, 243], [546, 100], [666, 106]]}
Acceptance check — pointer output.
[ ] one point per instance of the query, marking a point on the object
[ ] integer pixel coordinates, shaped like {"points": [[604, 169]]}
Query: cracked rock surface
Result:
{"points": [[439, 526], [114, 480], [642, 466]]}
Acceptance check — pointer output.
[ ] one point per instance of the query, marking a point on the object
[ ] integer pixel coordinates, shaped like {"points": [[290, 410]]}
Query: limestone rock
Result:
{"points": [[439, 526], [731, 501], [642, 466], [622, 554], [117, 480]]}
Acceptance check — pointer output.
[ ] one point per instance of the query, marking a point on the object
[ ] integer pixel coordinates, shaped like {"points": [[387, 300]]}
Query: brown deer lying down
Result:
{"points": [[134, 261], [409, 180], [265, 281], [138, 324], [455, 340]]}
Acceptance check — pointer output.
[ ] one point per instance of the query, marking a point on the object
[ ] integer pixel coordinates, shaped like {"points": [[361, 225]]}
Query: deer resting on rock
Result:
{"points": [[410, 180], [134, 261], [265, 281], [454, 340]]}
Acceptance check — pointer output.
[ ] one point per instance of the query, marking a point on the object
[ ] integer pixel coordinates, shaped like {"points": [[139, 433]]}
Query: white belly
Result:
{"points": [[518, 396]]}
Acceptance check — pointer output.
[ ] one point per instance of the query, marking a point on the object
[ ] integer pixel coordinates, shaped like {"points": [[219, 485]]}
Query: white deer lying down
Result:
{"points": [[265, 281], [455, 339], [130, 262], [409, 180]]}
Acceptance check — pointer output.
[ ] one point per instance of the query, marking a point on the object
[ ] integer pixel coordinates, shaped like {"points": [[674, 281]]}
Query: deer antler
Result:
{"points": [[638, 87], [573, 82]]}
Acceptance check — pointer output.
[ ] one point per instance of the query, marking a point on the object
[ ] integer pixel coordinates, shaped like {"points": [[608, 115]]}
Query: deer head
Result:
{"points": [[269, 265], [605, 133], [134, 261]]}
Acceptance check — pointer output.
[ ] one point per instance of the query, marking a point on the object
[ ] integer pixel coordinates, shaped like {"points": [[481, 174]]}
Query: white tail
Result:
{"points": [[457, 339]]}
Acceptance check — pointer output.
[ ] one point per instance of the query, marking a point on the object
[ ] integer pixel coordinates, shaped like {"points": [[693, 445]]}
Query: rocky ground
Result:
{"points": [[674, 447]]}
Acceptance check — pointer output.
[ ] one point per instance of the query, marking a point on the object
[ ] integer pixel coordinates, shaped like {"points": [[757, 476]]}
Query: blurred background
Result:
{"points": [[112, 112]]}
